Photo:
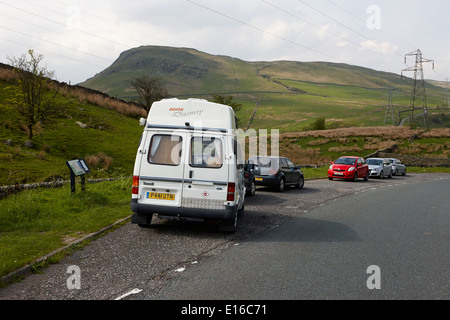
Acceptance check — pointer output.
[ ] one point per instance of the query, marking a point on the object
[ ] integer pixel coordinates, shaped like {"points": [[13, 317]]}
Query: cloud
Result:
{"points": [[381, 47]]}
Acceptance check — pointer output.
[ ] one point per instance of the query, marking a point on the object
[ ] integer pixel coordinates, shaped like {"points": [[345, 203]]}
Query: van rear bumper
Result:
{"points": [[142, 212]]}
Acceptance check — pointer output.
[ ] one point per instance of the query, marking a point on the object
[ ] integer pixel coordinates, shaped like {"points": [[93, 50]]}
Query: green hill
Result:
{"points": [[105, 131], [290, 94]]}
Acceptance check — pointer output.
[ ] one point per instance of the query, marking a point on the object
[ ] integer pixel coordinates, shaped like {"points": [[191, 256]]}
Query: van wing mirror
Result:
{"points": [[142, 122]]}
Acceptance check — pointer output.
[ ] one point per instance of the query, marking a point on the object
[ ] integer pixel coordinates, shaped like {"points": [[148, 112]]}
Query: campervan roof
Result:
{"points": [[191, 113]]}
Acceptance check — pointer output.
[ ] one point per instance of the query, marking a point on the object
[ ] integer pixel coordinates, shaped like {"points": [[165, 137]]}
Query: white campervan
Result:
{"points": [[189, 164]]}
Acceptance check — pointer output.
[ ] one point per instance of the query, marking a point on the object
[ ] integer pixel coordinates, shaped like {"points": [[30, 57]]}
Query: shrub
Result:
{"points": [[99, 161]]}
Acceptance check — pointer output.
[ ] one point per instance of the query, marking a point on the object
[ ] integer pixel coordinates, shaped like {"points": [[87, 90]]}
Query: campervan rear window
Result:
{"points": [[206, 152], [165, 150]]}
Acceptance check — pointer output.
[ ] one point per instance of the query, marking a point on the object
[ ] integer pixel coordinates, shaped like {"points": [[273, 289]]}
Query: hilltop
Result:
{"points": [[290, 94]]}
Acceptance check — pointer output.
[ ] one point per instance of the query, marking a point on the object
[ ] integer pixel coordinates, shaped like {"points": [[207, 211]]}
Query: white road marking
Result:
{"points": [[132, 292]]}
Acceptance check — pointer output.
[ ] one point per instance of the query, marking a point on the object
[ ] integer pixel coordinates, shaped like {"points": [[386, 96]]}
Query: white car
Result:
{"points": [[379, 167], [398, 167]]}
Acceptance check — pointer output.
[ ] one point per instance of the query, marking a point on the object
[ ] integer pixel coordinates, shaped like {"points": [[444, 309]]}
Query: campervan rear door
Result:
{"points": [[162, 168], [206, 171]]}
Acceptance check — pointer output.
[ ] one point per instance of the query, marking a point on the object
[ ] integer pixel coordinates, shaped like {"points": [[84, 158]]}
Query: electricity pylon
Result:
{"points": [[419, 97], [446, 96], [389, 117]]}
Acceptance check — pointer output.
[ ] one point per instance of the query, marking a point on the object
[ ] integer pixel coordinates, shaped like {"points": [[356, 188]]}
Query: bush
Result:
{"points": [[319, 124], [99, 161]]}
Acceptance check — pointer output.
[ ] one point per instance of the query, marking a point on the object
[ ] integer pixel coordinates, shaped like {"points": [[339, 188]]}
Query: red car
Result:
{"points": [[350, 168]]}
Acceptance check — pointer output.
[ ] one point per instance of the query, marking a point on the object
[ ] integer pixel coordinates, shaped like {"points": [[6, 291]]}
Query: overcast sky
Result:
{"points": [[81, 38]]}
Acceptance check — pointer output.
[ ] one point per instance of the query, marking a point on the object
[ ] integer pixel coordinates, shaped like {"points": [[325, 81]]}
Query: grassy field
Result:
{"points": [[36, 222]]}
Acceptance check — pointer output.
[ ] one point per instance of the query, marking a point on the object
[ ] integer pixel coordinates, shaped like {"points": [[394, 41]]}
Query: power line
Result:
{"points": [[125, 28], [57, 54], [345, 26], [52, 30], [64, 25], [55, 43], [380, 30], [264, 31], [319, 27]]}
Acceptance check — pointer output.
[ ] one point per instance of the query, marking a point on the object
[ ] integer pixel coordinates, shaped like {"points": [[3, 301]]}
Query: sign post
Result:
{"points": [[78, 168]]}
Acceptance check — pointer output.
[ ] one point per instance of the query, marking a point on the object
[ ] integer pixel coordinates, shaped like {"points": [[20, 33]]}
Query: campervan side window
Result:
{"points": [[206, 152], [165, 150]]}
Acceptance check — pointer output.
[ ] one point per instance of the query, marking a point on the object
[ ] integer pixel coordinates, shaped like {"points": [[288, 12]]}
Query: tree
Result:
{"points": [[150, 90], [32, 98], [319, 124], [228, 101]]}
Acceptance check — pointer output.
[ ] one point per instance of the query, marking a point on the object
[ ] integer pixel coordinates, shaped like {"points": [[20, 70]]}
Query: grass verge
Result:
{"points": [[36, 222]]}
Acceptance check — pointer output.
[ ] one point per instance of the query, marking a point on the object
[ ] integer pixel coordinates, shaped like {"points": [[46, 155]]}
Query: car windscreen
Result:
{"points": [[263, 162], [347, 161], [375, 162]]}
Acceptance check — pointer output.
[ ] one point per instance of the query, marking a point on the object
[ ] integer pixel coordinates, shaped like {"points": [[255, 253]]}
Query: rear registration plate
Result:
{"points": [[160, 196], [258, 179]]}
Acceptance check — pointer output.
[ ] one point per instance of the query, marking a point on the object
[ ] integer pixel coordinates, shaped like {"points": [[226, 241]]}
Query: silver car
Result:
{"points": [[379, 167], [397, 167]]}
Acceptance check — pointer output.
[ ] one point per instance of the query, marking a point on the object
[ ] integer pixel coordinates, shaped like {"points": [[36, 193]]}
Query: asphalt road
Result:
{"points": [[402, 231], [315, 243]]}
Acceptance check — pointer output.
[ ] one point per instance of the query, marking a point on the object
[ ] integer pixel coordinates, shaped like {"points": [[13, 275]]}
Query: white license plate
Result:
{"points": [[338, 174]]}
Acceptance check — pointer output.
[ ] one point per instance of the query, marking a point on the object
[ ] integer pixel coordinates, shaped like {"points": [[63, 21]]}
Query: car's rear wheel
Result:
{"points": [[281, 185], [252, 190], [301, 183]]}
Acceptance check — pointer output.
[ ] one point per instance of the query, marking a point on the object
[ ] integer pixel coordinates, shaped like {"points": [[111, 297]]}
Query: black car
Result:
{"points": [[276, 172], [250, 185]]}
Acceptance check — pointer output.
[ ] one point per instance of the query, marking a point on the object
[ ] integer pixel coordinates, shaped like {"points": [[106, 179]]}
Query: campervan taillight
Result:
{"points": [[135, 185], [231, 191]]}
